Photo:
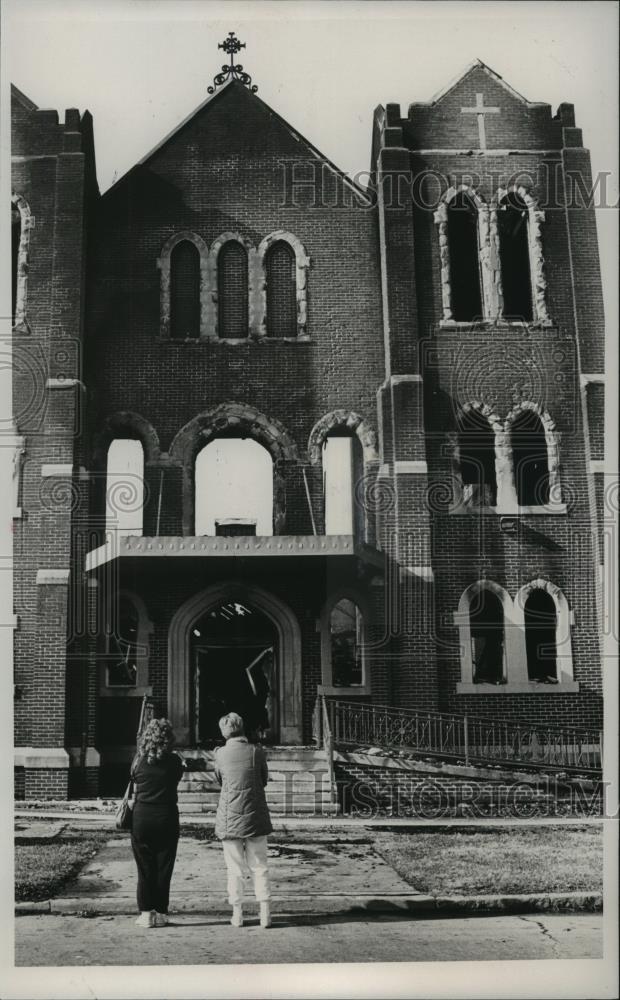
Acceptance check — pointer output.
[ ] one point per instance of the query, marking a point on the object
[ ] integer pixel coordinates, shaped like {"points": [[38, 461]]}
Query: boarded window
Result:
{"points": [[512, 222], [346, 628], [477, 460], [125, 487], [540, 636], [185, 290], [123, 668], [234, 486], [232, 290], [530, 458], [466, 298], [16, 232], [342, 469], [486, 617], [281, 291]]}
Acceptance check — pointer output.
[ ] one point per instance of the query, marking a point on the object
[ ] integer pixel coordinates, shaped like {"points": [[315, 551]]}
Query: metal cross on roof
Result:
{"points": [[232, 71]]}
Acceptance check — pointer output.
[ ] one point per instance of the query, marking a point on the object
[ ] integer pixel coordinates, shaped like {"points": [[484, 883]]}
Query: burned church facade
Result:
{"points": [[280, 435]]}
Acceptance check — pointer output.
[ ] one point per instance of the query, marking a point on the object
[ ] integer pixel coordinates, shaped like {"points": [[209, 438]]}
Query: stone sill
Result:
{"points": [[234, 341], [344, 692], [504, 324], [551, 510], [112, 691], [527, 687]]}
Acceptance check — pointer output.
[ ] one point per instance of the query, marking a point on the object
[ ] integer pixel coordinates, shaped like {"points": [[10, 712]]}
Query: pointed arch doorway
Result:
{"points": [[226, 645]]}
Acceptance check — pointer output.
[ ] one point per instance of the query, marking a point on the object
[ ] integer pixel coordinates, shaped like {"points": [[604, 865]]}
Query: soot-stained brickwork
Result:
{"points": [[119, 335]]}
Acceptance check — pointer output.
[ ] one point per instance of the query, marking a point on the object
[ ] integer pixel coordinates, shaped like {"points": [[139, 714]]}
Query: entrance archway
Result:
{"points": [[277, 619]]}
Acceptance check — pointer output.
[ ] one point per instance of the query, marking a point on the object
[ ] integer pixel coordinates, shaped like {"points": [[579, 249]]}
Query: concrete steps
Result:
{"points": [[298, 782]]}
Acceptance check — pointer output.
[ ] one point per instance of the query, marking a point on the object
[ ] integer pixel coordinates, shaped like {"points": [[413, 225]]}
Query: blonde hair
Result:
{"points": [[231, 725], [156, 740]]}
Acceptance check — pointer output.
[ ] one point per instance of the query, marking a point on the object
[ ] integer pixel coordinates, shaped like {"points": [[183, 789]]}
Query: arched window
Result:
{"points": [[280, 268], [486, 620], [185, 290], [530, 459], [477, 460], [123, 666], [234, 488], [466, 295], [125, 487], [540, 636], [342, 468], [16, 234], [512, 224], [232, 290], [346, 636]]}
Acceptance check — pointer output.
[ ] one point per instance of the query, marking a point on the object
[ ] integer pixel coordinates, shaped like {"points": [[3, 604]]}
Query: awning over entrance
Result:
{"points": [[219, 547]]}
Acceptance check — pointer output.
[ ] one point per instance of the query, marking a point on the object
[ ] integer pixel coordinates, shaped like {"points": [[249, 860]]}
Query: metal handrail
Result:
{"points": [[470, 738]]}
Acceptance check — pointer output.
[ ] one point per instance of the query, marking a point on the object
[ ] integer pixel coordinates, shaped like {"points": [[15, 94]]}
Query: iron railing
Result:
{"points": [[147, 712], [468, 738]]}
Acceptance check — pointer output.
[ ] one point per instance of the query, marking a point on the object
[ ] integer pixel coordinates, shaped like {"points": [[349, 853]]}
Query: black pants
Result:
{"points": [[154, 839]]}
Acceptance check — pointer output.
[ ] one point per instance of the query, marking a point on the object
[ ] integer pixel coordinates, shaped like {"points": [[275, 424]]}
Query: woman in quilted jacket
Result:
{"points": [[242, 822]]}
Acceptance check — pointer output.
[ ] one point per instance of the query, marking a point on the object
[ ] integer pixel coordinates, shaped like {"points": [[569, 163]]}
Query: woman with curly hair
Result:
{"points": [[155, 773]]}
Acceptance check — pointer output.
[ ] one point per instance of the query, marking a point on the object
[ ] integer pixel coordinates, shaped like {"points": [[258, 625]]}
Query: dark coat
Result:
{"points": [[241, 769]]}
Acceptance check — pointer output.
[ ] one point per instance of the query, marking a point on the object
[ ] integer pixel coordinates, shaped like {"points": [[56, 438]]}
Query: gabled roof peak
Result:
{"points": [[479, 64]]}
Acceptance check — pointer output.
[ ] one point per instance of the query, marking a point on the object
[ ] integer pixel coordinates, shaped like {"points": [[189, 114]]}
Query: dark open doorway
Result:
{"points": [[234, 652]]}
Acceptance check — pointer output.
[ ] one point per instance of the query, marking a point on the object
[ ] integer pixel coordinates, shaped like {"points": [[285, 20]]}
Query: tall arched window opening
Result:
{"points": [[232, 290], [477, 460], [486, 618], [342, 469], [125, 487], [16, 234], [185, 290], [234, 488], [123, 666], [540, 636], [530, 459], [465, 290], [512, 224], [280, 274], [346, 633]]}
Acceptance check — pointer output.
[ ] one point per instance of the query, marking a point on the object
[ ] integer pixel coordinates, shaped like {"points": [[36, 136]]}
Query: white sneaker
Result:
{"points": [[237, 917], [145, 919], [160, 919], [265, 915]]}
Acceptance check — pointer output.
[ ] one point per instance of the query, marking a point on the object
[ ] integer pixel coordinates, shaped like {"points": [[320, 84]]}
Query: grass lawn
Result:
{"points": [[500, 860], [41, 870]]}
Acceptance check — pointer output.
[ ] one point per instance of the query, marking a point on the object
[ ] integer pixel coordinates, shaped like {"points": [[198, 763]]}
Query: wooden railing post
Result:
{"points": [[466, 738]]}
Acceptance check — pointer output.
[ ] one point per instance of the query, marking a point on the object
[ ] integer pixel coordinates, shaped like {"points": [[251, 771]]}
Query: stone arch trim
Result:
{"points": [[501, 451], [563, 640], [462, 620], [302, 265], [212, 261], [536, 217], [242, 419], [362, 602], [553, 446], [342, 420], [487, 260], [20, 323], [163, 265], [289, 656], [126, 424]]}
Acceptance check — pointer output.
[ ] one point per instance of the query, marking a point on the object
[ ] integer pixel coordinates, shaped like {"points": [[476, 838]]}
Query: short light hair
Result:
{"points": [[231, 725]]}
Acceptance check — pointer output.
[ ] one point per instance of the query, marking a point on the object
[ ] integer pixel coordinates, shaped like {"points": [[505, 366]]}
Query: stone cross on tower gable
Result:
{"points": [[480, 110]]}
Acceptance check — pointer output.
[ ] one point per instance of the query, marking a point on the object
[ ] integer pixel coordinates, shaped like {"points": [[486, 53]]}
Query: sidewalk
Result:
{"points": [[326, 869]]}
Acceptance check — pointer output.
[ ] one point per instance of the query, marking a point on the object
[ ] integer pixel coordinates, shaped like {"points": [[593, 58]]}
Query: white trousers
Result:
{"points": [[243, 856]]}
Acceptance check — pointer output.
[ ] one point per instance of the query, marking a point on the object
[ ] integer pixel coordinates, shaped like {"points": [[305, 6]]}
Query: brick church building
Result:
{"points": [[277, 434]]}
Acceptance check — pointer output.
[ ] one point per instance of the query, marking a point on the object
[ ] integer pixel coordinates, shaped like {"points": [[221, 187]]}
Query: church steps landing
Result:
{"points": [[298, 782]]}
